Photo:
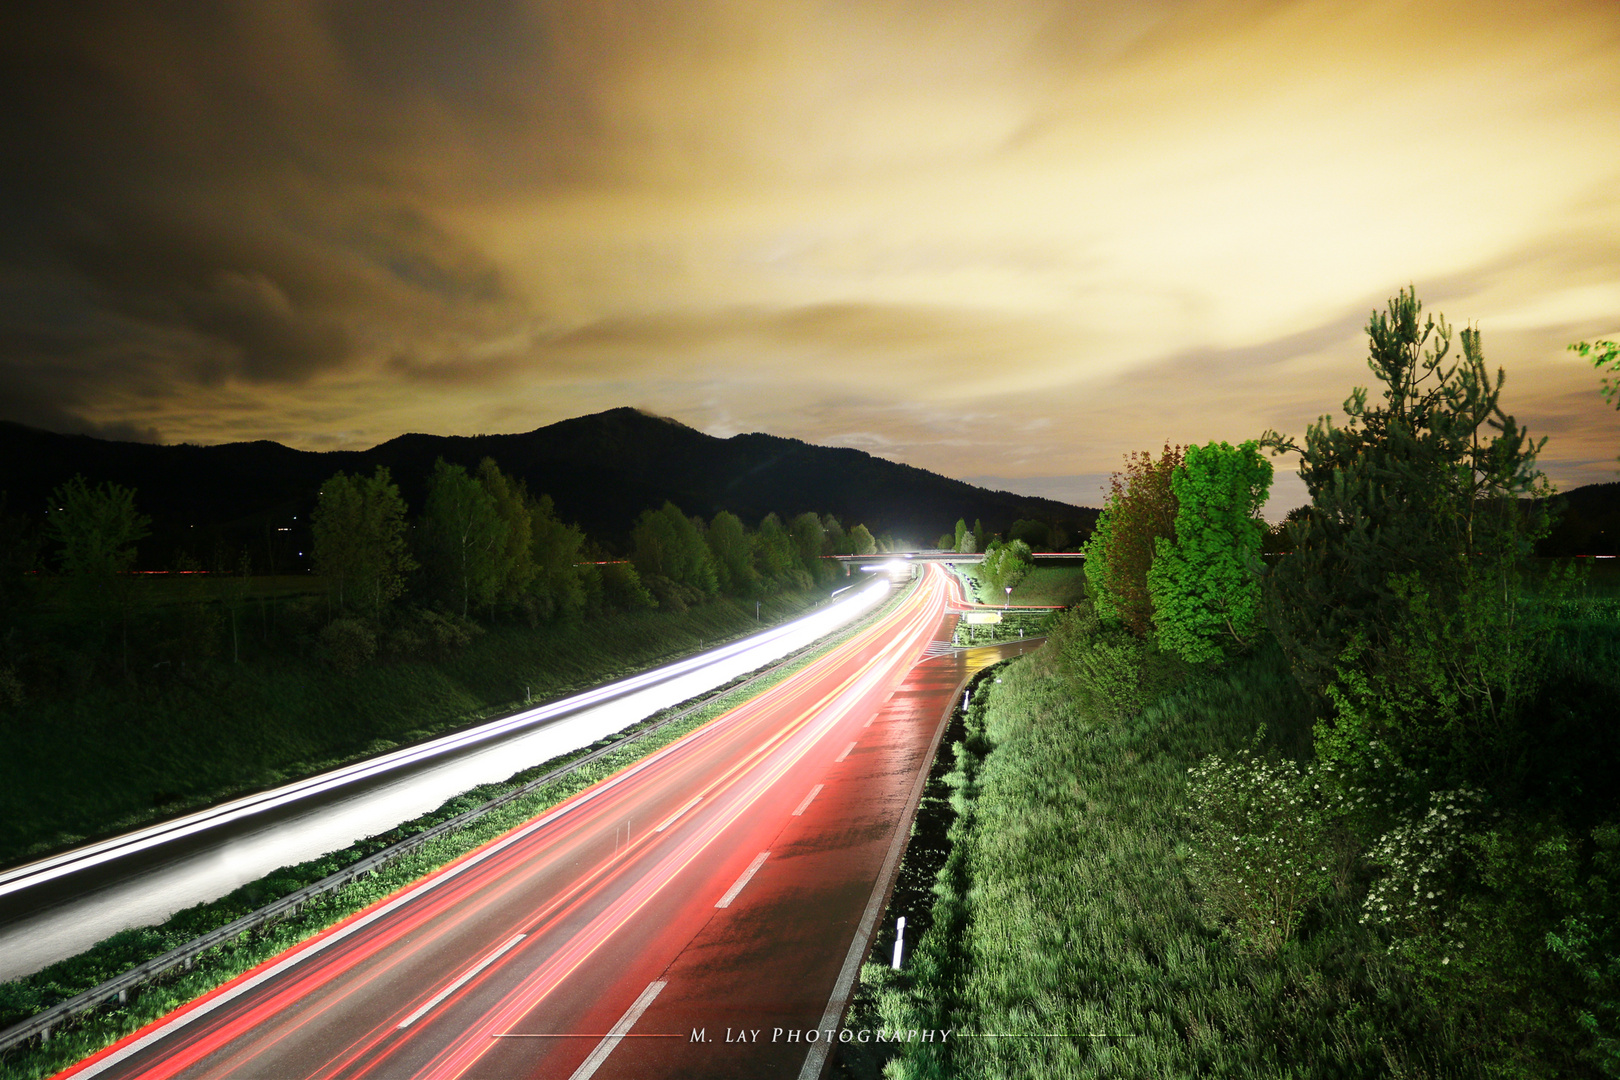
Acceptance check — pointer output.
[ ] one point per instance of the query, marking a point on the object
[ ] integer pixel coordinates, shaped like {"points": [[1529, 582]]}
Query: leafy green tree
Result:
{"points": [[807, 533], [669, 545], [1423, 485], [833, 540], [1140, 511], [387, 555], [1205, 584], [961, 530], [1099, 575], [463, 537], [98, 529], [513, 552], [559, 584], [774, 555], [947, 542], [1006, 564], [733, 553], [336, 526], [860, 541], [360, 539]]}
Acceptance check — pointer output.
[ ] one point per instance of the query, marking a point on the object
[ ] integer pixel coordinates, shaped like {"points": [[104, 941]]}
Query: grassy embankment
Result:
{"points": [[113, 758], [1066, 906], [93, 1031], [1044, 586]]}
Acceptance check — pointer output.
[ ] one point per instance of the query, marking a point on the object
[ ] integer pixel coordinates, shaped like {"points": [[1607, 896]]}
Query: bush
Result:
{"points": [[1115, 673], [1489, 915], [1264, 852], [348, 644]]}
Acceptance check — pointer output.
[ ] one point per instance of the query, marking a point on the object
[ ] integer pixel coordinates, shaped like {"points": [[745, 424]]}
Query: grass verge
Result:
{"points": [[93, 1031], [1066, 938], [112, 759]]}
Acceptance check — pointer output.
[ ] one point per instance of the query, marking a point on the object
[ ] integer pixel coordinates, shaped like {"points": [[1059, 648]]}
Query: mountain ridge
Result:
{"points": [[601, 470]]}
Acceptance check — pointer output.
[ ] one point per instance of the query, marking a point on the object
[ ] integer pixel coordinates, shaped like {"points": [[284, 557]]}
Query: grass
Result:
{"points": [[93, 1031], [1051, 586], [1064, 909], [113, 758], [1043, 586]]}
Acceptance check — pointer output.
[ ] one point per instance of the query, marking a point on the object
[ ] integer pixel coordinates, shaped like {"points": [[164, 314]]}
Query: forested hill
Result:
{"points": [[602, 471]]}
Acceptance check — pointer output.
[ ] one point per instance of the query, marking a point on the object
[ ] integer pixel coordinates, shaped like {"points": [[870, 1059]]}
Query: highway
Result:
{"points": [[57, 907], [696, 914]]}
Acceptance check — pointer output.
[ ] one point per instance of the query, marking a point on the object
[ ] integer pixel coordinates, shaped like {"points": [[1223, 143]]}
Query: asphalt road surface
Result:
{"points": [[683, 918]]}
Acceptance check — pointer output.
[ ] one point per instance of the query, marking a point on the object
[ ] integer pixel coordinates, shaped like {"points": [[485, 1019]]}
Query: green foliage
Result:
{"points": [[513, 551], [1140, 511], [1455, 693], [1114, 673], [1262, 856], [1415, 483], [622, 589], [733, 553], [1204, 584], [860, 541], [1605, 356], [668, 545], [1005, 565], [98, 529], [1588, 940], [1036, 534], [1078, 914], [1098, 574], [558, 587], [463, 535], [1490, 915], [807, 533], [112, 757], [348, 644], [360, 545], [833, 541]]}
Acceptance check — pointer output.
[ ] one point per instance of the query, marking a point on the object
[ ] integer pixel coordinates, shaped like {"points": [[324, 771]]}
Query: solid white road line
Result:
{"points": [[845, 754], [753, 868], [616, 1035], [459, 983], [807, 799], [672, 818]]}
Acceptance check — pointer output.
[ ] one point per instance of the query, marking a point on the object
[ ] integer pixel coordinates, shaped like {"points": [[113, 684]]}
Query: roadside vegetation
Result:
{"points": [[127, 696], [1350, 813], [90, 1032]]}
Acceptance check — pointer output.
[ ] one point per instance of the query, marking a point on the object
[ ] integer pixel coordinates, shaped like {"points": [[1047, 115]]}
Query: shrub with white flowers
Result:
{"points": [[1423, 861], [1263, 856]]}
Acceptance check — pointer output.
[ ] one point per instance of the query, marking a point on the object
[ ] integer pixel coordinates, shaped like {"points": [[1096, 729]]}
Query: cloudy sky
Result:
{"points": [[999, 239]]}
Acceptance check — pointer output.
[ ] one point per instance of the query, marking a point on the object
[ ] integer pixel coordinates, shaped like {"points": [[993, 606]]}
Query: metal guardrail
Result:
{"points": [[117, 988]]}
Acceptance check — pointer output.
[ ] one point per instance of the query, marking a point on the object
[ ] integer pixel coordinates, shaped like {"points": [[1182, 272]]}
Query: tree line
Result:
{"points": [[482, 549]]}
